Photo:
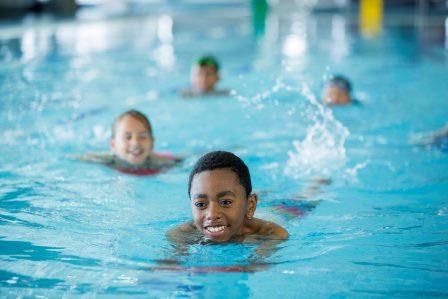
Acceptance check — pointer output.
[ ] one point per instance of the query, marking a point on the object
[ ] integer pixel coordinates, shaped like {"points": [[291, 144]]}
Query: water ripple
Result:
{"points": [[399, 266]]}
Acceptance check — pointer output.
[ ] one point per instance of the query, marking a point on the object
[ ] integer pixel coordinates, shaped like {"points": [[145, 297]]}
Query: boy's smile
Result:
{"points": [[219, 204], [132, 142]]}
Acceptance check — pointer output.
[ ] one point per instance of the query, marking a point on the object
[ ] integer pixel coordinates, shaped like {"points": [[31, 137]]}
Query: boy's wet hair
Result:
{"points": [[220, 160], [341, 82], [208, 61], [135, 114]]}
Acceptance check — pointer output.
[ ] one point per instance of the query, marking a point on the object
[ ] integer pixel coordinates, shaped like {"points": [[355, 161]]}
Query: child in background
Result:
{"points": [[132, 143], [204, 77], [222, 204], [337, 91]]}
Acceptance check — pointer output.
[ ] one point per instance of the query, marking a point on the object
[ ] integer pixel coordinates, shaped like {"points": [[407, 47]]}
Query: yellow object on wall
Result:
{"points": [[371, 17]]}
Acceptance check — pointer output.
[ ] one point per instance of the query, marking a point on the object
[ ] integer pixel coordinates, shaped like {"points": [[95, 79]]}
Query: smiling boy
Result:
{"points": [[222, 204]]}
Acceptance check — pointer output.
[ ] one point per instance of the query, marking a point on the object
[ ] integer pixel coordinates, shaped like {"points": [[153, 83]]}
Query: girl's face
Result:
{"points": [[132, 141]]}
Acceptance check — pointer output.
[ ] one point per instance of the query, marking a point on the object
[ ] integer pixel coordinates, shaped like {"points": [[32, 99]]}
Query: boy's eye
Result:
{"points": [[144, 135], [200, 205], [128, 136], [225, 202]]}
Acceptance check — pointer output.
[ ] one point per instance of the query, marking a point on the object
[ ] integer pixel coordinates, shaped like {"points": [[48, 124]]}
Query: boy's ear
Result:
{"points": [[252, 201], [112, 143]]}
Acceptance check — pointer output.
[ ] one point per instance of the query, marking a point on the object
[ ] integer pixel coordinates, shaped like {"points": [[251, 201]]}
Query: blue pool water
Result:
{"points": [[71, 229]]}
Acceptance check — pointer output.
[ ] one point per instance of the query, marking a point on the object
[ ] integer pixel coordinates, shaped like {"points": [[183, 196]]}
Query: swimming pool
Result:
{"points": [[70, 228]]}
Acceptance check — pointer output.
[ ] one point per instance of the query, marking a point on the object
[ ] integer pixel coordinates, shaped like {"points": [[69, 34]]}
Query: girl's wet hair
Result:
{"points": [[220, 160], [137, 115]]}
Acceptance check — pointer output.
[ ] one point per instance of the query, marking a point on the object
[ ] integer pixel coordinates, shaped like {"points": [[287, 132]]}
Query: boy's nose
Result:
{"points": [[213, 212], [135, 140]]}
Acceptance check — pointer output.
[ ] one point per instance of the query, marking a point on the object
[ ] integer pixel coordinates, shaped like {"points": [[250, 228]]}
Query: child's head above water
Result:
{"points": [[220, 194], [132, 139], [337, 91], [205, 74]]}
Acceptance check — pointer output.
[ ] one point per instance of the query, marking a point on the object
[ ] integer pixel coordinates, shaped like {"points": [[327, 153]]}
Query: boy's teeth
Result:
{"points": [[137, 151], [215, 229]]}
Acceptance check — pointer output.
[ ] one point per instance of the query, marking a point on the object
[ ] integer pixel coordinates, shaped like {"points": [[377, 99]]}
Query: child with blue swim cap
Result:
{"points": [[338, 91]]}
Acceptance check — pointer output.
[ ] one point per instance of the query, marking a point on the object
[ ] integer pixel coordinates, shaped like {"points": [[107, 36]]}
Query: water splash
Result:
{"points": [[322, 151], [257, 101]]}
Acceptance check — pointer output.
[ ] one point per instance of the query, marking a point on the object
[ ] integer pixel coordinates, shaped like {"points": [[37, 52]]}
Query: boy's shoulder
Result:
{"points": [[186, 227], [182, 233], [269, 229]]}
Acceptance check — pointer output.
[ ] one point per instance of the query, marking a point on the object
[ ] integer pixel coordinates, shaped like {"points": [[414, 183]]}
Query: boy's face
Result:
{"points": [[132, 141], [204, 78], [336, 96], [219, 204]]}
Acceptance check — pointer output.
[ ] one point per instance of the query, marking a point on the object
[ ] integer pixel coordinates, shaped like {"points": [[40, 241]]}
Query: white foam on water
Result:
{"points": [[322, 151], [353, 171]]}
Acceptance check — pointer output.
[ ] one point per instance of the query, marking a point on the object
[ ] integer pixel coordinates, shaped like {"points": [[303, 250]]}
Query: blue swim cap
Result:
{"points": [[340, 82]]}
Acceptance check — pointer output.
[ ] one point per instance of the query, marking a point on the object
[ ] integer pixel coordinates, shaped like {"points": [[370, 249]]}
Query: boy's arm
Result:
{"points": [[265, 250], [181, 234], [180, 237], [102, 158], [272, 230], [271, 235]]}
